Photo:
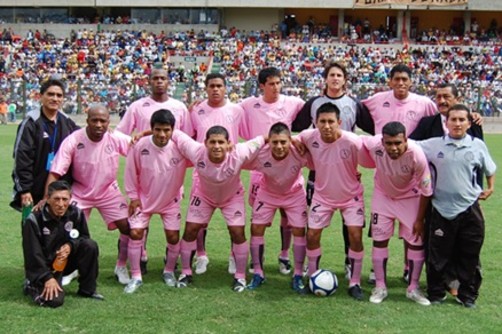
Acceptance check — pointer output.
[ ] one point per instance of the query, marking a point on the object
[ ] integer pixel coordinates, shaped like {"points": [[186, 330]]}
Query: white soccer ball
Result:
{"points": [[323, 283]]}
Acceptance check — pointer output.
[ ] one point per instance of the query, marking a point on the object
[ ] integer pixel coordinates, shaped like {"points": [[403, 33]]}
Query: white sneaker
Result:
{"points": [[348, 272], [231, 265], [201, 264], [133, 285], [169, 279], [418, 297], [122, 275], [284, 266], [68, 278], [378, 295]]}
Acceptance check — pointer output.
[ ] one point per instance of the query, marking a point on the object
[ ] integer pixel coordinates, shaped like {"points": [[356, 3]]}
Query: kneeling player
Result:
{"points": [[281, 187], [152, 161], [402, 185], [218, 186]]}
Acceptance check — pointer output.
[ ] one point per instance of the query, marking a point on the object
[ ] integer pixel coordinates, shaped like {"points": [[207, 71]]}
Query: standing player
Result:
{"points": [[334, 150], [93, 155], [352, 113], [216, 110], [402, 187], [138, 116], [281, 187], [218, 186], [260, 113], [150, 162]]}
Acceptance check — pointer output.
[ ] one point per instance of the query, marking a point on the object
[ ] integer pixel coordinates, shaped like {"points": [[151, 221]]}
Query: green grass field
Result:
{"points": [[210, 306]]}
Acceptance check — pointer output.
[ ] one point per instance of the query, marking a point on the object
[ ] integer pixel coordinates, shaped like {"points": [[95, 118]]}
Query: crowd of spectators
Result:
{"points": [[112, 67]]}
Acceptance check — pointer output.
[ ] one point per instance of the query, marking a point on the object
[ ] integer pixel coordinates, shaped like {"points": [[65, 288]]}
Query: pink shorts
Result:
{"points": [[234, 211], [254, 186], [385, 210], [171, 217], [320, 214], [112, 208], [295, 206]]}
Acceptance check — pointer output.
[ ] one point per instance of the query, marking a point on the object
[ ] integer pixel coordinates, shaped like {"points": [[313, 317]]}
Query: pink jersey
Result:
{"points": [[384, 108], [280, 178], [335, 164], [154, 175], [137, 117], [94, 165], [408, 176], [217, 183], [259, 116], [204, 117]]}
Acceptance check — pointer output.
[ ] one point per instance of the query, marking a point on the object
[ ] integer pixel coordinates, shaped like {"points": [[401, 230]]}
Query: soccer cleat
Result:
{"points": [[297, 284], [378, 295], [142, 265], [372, 278], [406, 276], [348, 271], [256, 282], [239, 284], [94, 295], [184, 281], [122, 275], [437, 300], [231, 265], [284, 266], [466, 303], [201, 265], [169, 279], [133, 285], [356, 292], [68, 278], [418, 297]]}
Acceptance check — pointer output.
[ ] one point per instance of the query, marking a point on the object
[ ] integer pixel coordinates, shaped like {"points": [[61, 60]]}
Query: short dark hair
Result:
{"points": [[328, 107], [453, 88], [217, 130], [157, 69], [266, 73], [336, 64], [212, 76], [393, 129], [279, 128], [162, 116], [51, 82], [400, 68], [459, 106], [58, 186]]}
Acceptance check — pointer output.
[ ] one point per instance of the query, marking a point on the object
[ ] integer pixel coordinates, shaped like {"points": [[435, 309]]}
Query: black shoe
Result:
{"points": [[94, 295], [437, 300], [184, 281], [142, 265], [356, 292], [466, 303]]}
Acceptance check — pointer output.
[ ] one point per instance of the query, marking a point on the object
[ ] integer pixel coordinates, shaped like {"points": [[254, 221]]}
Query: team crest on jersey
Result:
{"points": [[80, 146], [109, 149], [412, 115], [201, 164], [469, 156], [405, 169], [201, 112], [257, 106], [68, 226], [440, 155], [229, 171], [344, 154], [346, 110], [386, 105], [295, 169], [315, 144], [267, 164], [379, 153], [145, 152], [175, 161], [230, 118], [146, 104], [238, 214]]}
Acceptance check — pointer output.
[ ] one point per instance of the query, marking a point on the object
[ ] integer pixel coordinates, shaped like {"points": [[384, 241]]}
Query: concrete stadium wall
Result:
{"points": [[252, 18]]}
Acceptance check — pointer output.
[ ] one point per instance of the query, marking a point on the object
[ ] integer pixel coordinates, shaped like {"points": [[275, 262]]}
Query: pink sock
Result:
{"points": [[299, 250], [286, 235], [379, 258], [356, 261], [314, 256], [257, 251], [173, 251], [201, 242], [187, 251], [134, 253], [122, 256], [241, 253], [416, 260]]}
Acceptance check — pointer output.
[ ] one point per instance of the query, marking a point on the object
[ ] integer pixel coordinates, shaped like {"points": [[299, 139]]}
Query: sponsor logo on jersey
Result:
{"points": [[201, 112], [379, 153], [304, 214], [238, 214], [229, 171], [440, 155], [201, 164], [439, 232], [145, 152], [46, 231], [386, 105], [146, 104], [257, 106], [414, 190], [178, 216], [123, 206], [360, 212], [315, 144], [46, 135], [267, 164], [80, 146]]}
